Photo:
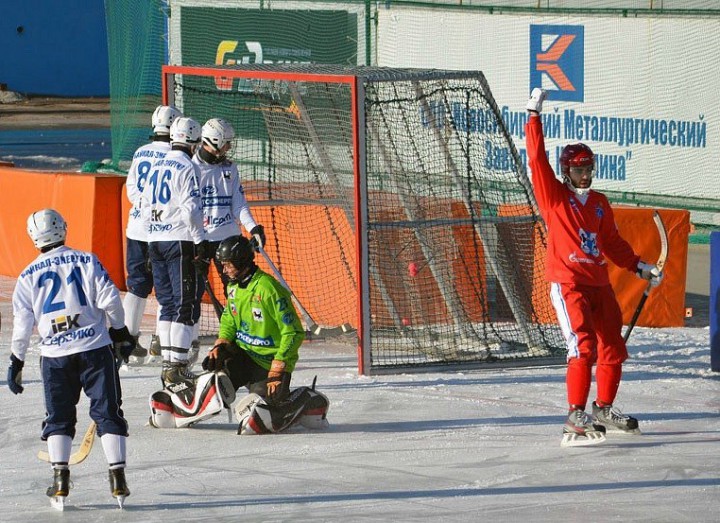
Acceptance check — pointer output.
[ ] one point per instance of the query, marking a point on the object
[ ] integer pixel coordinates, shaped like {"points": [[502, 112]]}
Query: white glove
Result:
{"points": [[649, 272], [537, 97]]}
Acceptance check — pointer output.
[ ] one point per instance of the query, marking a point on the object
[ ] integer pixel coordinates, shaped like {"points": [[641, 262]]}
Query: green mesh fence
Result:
{"points": [[137, 48]]}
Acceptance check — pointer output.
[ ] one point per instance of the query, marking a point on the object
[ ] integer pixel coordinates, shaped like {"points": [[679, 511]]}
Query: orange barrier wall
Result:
{"points": [[90, 203], [96, 207], [665, 306]]}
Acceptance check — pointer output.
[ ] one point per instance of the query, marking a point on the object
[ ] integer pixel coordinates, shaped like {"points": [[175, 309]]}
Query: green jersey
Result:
{"points": [[262, 320]]}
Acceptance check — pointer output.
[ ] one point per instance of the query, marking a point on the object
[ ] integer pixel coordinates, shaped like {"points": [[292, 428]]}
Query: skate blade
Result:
{"points": [[153, 360], [58, 503], [120, 501], [633, 432], [577, 440]]}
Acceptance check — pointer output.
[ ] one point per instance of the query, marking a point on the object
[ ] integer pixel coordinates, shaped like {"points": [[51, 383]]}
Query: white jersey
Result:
{"points": [[142, 161], [223, 200], [67, 293], [170, 201]]}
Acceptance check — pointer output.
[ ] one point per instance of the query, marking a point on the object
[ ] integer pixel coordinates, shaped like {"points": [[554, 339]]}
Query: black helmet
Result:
{"points": [[236, 250]]}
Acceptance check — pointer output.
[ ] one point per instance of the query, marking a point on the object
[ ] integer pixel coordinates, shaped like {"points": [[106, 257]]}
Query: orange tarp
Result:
{"points": [[90, 204], [665, 306]]}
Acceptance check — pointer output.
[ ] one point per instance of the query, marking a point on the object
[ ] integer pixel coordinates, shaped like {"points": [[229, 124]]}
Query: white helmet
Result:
{"points": [[185, 131], [46, 227], [217, 133], [163, 117]]}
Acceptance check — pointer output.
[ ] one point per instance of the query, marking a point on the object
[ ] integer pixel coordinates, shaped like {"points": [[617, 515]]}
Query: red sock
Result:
{"points": [[608, 380], [579, 375]]}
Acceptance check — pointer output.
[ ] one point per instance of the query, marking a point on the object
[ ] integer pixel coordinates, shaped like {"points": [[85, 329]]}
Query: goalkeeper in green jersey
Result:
{"points": [[260, 332]]}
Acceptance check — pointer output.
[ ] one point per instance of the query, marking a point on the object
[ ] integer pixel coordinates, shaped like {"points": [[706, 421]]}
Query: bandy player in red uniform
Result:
{"points": [[581, 235]]}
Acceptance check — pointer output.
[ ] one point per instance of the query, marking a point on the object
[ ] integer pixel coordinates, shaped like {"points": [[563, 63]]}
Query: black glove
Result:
{"points": [[257, 237], [14, 375], [123, 344], [202, 257], [218, 355]]}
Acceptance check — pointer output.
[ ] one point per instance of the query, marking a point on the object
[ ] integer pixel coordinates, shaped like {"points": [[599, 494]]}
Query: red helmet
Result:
{"points": [[576, 155]]}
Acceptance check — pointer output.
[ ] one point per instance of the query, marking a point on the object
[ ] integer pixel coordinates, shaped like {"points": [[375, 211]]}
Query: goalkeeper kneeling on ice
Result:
{"points": [[257, 348]]}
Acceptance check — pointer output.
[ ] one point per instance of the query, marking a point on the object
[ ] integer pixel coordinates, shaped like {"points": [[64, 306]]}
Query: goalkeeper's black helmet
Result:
{"points": [[236, 250]]}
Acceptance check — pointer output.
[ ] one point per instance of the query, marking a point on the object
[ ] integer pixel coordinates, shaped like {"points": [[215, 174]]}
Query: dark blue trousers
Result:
{"points": [[175, 280], [92, 371], [139, 275]]}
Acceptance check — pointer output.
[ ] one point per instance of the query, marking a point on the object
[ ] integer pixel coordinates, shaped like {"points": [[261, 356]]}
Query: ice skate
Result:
{"points": [[139, 351], [614, 421], [59, 490], [193, 353], [177, 373], [580, 431], [118, 485], [154, 355]]}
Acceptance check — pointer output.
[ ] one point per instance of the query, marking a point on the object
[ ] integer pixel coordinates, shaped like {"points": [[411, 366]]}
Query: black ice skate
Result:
{"points": [[614, 421], [58, 491], [176, 376], [139, 351], [118, 485]]}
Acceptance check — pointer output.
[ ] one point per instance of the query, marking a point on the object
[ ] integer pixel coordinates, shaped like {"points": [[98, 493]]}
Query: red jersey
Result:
{"points": [[580, 236]]}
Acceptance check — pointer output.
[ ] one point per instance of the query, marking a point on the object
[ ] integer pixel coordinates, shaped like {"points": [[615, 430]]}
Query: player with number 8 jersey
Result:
{"points": [[139, 280]]}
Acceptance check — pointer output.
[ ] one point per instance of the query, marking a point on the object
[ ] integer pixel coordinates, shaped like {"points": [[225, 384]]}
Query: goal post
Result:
{"points": [[394, 203]]}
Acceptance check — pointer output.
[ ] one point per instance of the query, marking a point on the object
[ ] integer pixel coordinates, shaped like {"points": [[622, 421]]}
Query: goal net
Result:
{"points": [[395, 205]]}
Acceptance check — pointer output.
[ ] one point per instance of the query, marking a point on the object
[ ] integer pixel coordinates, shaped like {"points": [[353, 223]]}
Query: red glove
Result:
{"points": [[274, 379]]}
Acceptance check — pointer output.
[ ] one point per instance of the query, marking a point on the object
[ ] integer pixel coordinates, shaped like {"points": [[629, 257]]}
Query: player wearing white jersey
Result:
{"points": [[170, 210], [223, 198], [69, 296], [139, 275]]}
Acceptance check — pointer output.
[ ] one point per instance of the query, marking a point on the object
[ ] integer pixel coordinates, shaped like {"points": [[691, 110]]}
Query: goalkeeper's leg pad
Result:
{"points": [[315, 414]]}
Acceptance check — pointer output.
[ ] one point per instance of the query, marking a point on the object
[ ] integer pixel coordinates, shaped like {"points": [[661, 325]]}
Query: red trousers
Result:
{"points": [[591, 321]]}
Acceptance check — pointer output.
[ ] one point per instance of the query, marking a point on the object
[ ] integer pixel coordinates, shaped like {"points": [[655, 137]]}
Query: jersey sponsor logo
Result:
{"points": [[217, 221], [588, 243], [256, 341], [209, 190], [579, 259], [67, 337], [217, 201], [557, 61], [257, 314], [159, 227], [64, 323]]}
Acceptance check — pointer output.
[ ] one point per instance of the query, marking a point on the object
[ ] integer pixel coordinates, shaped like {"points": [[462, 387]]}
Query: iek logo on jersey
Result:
{"points": [[156, 215], [64, 323], [557, 61]]}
